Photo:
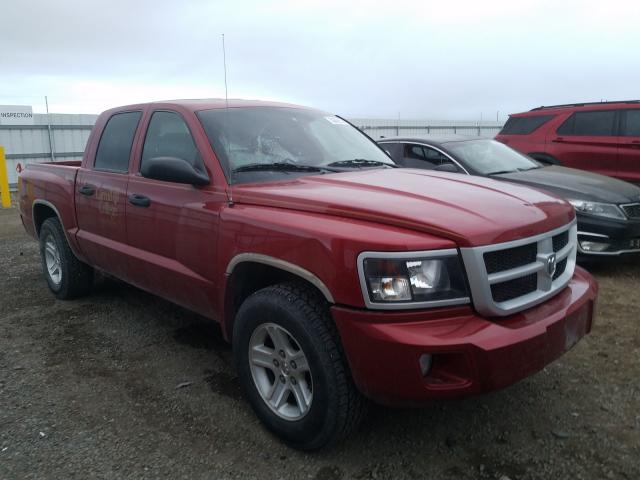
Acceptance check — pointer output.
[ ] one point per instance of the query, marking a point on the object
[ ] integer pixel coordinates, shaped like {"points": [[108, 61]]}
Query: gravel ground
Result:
{"points": [[122, 384]]}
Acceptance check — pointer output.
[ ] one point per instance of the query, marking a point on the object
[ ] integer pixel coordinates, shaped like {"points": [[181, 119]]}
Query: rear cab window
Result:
{"points": [[114, 149], [524, 125], [599, 123]]}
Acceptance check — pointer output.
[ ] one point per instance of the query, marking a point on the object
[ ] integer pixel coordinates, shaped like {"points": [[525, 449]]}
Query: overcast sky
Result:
{"points": [[422, 59]]}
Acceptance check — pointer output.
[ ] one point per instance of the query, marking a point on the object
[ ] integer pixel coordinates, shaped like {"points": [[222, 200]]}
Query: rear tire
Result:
{"points": [[67, 277], [296, 318]]}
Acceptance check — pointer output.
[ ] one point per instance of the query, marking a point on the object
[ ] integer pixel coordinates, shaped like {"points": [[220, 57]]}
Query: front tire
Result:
{"points": [[67, 277], [292, 367]]}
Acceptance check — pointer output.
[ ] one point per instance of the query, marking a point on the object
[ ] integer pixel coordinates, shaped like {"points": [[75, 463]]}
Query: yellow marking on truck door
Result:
{"points": [[5, 197]]}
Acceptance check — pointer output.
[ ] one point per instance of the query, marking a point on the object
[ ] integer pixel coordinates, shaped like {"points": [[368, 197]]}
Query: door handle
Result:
{"points": [[87, 190], [139, 200], [558, 140]]}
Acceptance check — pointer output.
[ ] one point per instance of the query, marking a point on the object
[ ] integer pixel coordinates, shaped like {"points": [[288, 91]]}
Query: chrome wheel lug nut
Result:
{"points": [[276, 363], [293, 381], [282, 379], [293, 364], [282, 354]]}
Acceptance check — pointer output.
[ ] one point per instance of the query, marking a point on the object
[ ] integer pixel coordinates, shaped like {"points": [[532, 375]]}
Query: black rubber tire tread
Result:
{"points": [[77, 276], [350, 407]]}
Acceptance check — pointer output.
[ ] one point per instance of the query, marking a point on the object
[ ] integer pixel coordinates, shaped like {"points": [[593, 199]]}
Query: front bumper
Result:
{"points": [[615, 237], [470, 354]]}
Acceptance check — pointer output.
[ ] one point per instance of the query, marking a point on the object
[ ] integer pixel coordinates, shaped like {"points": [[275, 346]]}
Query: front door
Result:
{"points": [[173, 227]]}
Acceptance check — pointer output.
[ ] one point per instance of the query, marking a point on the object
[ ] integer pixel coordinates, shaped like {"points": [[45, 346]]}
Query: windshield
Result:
{"points": [[489, 157], [266, 143]]}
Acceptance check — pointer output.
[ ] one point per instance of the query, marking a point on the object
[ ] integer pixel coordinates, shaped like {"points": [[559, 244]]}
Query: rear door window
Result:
{"points": [[524, 125], [415, 152], [631, 123], [436, 157], [169, 136], [115, 144], [420, 156], [594, 123]]}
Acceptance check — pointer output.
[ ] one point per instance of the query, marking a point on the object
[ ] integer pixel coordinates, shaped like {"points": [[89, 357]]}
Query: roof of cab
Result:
{"points": [[196, 104]]}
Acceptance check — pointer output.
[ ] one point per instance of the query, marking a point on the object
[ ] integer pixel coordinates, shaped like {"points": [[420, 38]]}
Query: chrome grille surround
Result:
{"points": [[480, 281]]}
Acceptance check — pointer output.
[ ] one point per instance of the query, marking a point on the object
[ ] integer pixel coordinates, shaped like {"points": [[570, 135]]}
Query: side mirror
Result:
{"points": [[173, 169], [447, 167]]}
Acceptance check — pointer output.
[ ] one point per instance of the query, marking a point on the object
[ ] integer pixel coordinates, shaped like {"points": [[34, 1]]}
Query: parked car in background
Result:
{"points": [[334, 274], [608, 209], [602, 137]]}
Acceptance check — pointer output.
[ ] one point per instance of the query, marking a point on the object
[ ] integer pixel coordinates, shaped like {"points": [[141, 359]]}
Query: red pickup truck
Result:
{"points": [[335, 275]]}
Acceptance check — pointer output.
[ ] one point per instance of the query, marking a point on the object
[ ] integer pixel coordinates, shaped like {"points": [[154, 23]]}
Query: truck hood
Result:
{"points": [[577, 184], [468, 210]]}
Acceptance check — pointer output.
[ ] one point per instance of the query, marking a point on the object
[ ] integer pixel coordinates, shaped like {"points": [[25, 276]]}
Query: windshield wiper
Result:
{"points": [[280, 167], [360, 163], [500, 172]]}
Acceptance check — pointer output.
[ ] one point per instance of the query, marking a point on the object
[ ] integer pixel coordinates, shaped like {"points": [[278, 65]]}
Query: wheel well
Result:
{"points": [[246, 279], [40, 213]]}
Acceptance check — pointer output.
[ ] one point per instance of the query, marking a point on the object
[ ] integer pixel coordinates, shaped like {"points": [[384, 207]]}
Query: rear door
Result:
{"points": [[629, 146], [172, 228], [101, 195], [587, 140]]}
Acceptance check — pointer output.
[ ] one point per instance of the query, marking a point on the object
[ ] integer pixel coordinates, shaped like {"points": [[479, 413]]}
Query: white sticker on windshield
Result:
{"points": [[336, 120]]}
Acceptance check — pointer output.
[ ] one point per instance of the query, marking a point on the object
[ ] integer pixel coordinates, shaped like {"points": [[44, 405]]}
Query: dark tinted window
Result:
{"points": [[114, 149], [415, 151], [434, 156], [598, 123], [169, 136], [524, 125], [632, 123], [419, 156], [393, 149]]}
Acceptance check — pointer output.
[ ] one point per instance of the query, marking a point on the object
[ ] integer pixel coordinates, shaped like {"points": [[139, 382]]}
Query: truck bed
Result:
{"points": [[52, 183]]}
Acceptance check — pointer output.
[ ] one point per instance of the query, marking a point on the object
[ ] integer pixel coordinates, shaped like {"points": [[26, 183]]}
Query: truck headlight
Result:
{"points": [[598, 209], [434, 278]]}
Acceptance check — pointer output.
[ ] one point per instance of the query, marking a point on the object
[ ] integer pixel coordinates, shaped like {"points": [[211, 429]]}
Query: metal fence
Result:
{"points": [[50, 137], [64, 136], [379, 128]]}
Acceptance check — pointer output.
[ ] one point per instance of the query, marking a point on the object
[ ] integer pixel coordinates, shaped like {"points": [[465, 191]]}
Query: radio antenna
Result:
{"points": [[226, 110], [224, 62]]}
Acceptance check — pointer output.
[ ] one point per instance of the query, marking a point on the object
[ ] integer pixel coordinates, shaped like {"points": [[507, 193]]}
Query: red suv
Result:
{"points": [[603, 137]]}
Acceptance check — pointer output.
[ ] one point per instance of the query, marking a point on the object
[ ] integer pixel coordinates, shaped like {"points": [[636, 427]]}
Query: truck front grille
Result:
{"points": [[560, 241], [562, 266], [514, 257], [631, 210], [504, 291], [512, 276]]}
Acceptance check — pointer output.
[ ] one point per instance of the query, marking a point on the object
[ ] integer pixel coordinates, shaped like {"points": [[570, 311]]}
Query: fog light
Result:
{"points": [[589, 246], [425, 364]]}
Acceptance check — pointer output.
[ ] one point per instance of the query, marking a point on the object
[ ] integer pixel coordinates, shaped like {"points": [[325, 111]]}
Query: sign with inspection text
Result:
{"points": [[16, 115]]}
